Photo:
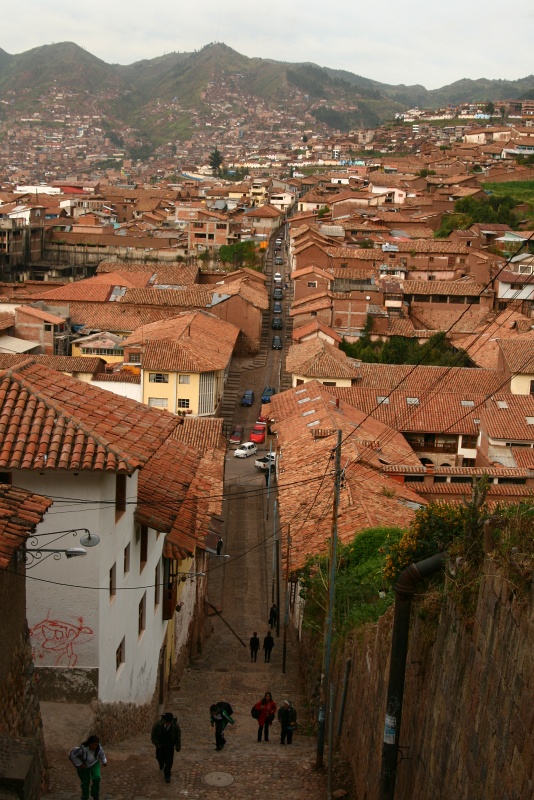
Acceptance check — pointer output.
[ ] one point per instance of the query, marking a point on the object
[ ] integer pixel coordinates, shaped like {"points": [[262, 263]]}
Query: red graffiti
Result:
{"points": [[57, 639]]}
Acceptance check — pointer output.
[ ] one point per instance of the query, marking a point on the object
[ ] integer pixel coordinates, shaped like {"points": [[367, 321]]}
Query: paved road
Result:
{"points": [[243, 586]]}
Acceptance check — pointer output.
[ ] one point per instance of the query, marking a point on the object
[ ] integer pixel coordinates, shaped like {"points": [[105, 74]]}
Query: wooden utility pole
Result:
{"points": [[286, 612], [327, 646]]}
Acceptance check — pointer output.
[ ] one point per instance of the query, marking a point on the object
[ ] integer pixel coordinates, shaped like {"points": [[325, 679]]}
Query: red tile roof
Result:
{"points": [[20, 513], [51, 421], [42, 315], [316, 358], [190, 342]]}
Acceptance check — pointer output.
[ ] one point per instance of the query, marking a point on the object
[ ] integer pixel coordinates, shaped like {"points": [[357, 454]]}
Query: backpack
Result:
{"points": [[255, 712], [75, 753]]}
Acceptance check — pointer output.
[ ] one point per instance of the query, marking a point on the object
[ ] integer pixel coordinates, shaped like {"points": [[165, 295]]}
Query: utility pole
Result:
{"points": [[327, 646], [286, 612], [275, 538]]}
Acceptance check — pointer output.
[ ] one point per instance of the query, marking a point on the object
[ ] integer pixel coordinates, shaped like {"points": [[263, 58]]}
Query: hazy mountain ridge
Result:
{"points": [[158, 95]]}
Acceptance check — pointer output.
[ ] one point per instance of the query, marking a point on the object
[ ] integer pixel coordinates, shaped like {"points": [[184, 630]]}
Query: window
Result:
{"points": [[158, 377], [143, 541], [531, 387], [113, 581], [313, 314], [126, 561], [134, 358], [47, 327], [329, 383], [158, 402], [461, 479], [468, 462], [184, 379], [412, 401], [413, 479], [120, 496], [141, 615], [157, 586], [183, 402], [469, 442], [312, 284], [120, 654], [6, 477]]}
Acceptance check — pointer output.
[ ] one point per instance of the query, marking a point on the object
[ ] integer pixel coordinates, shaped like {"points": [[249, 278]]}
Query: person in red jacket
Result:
{"points": [[267, 708]]}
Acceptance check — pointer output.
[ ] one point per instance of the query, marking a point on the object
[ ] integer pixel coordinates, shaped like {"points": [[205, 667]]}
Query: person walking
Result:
{"points": [[87, 759], [267, 710], [254, 646], [273, 615], [287, 717], [221, 715], [167, 737], [268, 644]]}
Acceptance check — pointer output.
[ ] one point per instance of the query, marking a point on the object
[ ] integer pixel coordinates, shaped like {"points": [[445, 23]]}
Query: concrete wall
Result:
{"points": [[468, 716]]}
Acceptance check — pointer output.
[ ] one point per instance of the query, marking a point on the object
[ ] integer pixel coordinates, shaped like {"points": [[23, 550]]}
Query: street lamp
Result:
{"points": [[30, 554]]}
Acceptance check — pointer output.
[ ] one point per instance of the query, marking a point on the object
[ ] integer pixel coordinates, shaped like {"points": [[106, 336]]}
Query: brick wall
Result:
{"points": [[468, 715]]}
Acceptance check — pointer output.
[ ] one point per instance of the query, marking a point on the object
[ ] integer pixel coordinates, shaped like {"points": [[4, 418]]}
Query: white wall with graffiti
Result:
{"points": [[94, 621]]}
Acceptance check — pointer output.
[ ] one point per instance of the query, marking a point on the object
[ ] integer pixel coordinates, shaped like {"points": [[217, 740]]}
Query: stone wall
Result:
{"points": [[20, 715], [114, 722], [468, 715]]}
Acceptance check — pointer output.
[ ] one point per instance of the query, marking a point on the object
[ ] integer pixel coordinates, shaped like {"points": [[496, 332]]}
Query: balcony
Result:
{"points": [[420, 446]]}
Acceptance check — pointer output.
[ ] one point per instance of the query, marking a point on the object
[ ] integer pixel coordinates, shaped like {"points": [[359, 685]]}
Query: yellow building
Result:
{"points": [[184, 361]]}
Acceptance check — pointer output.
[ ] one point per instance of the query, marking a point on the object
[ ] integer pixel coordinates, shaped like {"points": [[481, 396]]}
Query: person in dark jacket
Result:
{"points": [[254, 646], [221, 715], [273, 615], [287, 717], [267, 710], [167, 737], [268, 644]]}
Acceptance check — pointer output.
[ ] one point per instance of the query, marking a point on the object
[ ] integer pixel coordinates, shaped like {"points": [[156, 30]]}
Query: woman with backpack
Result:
{"points": [[87, 759], [265, 710]]}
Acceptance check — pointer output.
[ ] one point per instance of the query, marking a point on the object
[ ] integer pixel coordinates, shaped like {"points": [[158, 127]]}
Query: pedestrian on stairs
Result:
{"points": [[167, 737]]}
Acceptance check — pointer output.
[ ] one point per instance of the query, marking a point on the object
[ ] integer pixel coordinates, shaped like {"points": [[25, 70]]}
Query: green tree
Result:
{"points": [[490, 108], [215, 160]]}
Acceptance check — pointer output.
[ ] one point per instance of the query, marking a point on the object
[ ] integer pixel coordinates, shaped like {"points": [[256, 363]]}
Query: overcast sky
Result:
{"points": [[432, 43]]}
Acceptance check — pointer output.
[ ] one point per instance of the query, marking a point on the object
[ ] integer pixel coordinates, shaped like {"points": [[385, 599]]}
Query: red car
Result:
{"points": [[257, 435], [236, 435]]}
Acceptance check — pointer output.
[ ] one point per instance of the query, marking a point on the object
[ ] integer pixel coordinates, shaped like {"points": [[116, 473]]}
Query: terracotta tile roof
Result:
{"points": [[308, 270], [115, 316], [524, 457], [519, 354], [312, 327], [204, 433], [6, 321], [20, 513], [457, 319], [169, 274], [385, 377], [306, 451], [484, 343], [509, 417], [252, 292], [42, 315], [460, 492], [51, 421], [190, 342], [122, 376], [435, 412], [196, 296], [316, 358], [460, 288], [265, 211], [128, 278], [88, 290], [310, 305]]}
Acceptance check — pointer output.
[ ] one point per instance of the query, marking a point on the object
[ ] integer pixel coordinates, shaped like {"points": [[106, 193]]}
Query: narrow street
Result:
{"points": [[242, 588]]}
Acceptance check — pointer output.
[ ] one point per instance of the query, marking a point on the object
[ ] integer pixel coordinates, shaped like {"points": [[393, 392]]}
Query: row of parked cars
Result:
{"points": [[258, 433]]}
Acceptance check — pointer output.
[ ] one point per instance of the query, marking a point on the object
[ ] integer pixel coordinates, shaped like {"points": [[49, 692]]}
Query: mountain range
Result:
{"points": [[180, 83]]}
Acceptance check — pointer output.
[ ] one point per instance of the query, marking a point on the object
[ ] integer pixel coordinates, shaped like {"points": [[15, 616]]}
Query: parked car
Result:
{"points": [[277, 343], [278, 261], [267, 461], [277, 307], [278, 241], [277, 324], [248, 398], [257, 434], [277, 277], [236, 435], [267, 394], [247, 449], [278, 294]]}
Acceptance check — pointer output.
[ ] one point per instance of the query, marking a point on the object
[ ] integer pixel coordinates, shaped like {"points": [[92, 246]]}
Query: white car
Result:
{"points": [[277, 277], [247, 449]]}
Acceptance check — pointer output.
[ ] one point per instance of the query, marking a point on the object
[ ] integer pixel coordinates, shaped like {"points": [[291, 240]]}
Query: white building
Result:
{"points": [[104, 625]]}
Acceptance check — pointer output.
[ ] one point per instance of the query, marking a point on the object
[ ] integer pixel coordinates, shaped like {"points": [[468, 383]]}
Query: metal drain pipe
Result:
{"points": [[404, 590]]}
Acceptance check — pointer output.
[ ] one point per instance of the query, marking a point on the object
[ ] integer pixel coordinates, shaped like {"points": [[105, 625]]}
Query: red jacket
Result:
{"points": [[267, 710]]}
